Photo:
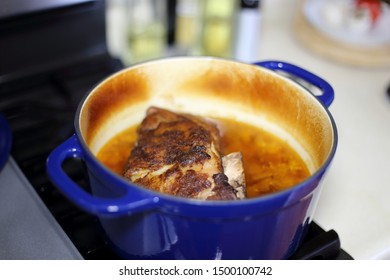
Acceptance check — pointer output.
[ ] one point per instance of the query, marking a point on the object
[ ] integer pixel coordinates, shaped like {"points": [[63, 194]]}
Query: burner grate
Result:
{"points": [[40, 111]]}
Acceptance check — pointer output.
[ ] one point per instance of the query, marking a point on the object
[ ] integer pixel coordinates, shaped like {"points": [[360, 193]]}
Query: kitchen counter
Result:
{"points": [[34, 236], [356, 191]]}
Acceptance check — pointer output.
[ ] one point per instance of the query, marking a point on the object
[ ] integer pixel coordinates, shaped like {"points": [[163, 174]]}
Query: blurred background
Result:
{"points": [[343, 30], [139, 30]]}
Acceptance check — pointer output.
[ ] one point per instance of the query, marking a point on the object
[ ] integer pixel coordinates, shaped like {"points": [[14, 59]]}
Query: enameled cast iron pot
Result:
{"points": [[140, 223], [5, 141]]}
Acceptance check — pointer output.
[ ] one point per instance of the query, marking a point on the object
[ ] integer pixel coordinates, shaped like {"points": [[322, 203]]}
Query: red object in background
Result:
{"points": [[374, 7]]}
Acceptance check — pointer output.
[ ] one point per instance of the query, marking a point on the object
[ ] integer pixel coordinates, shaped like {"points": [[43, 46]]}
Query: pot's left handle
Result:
{"points": [[125, 205], [327, 95]]}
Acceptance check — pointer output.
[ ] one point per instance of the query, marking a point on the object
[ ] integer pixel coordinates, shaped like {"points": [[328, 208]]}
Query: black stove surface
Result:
{"points": [[40, 111], [40, 106]]}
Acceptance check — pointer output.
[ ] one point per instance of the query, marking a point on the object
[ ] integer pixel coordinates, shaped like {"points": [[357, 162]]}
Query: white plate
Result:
{"points": [[344, 28]]}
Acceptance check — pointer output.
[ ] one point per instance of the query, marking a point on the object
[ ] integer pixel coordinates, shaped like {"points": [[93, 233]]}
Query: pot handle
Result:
{"points": [[124, 205], [327, 95]]}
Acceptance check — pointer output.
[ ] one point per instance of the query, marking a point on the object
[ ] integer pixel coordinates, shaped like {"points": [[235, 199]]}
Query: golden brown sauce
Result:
{"points": [[270, 164]]}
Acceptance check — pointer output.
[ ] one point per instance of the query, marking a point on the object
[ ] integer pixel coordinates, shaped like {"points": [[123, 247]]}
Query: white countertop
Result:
{"points": [[355, 200]]}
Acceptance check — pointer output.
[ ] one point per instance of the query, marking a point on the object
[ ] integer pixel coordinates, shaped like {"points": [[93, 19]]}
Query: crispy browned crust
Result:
{"points": [[179, 154]]}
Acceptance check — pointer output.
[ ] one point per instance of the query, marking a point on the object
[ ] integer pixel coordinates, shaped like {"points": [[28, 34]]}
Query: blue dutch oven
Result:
{"points": [[143, 224], [5, 141]]}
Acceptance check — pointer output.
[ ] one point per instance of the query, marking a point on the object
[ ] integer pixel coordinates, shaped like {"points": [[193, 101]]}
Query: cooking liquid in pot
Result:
{"points": [[270, 164]]}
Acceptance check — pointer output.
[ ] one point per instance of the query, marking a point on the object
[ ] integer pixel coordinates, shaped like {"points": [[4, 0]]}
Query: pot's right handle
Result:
{"points": [[124, 205], [327, 95]]}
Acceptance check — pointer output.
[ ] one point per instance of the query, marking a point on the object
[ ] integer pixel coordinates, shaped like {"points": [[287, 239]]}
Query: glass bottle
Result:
{"points": [[248, 31], [218, 27], [146, 30], [188, 27]]}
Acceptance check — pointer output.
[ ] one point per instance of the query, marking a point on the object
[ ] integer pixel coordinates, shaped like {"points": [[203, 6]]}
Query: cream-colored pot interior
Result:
{"points": [[213, 88]]}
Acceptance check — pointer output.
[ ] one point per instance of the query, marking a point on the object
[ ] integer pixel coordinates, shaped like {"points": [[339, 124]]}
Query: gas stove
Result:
{"points": [[46, 72]]}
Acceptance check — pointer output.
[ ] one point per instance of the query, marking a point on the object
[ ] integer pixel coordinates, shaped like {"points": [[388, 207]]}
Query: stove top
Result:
{"points": [[39, 106]]}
